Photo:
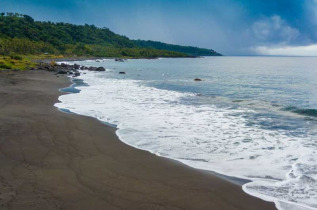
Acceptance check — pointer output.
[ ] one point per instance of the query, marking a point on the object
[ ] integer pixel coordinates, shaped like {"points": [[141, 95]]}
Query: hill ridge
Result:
{"points": [[21, 34]]}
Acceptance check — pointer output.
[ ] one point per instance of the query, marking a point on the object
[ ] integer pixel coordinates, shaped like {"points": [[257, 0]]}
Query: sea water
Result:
{"points": [[250, 117]]}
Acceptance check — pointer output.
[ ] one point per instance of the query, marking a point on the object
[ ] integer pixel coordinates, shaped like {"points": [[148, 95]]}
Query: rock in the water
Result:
{"points": [[121, 72], [198, 80], [100, 69], [119, 59], [76, 66], [92, 68], [77, 74]]}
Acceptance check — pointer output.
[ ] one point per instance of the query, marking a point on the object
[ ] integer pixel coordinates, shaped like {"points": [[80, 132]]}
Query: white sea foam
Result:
{"points": [[203, 136]]}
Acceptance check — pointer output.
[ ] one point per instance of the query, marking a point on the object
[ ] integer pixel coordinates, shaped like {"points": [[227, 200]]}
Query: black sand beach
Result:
{"points": [[53, 160]]}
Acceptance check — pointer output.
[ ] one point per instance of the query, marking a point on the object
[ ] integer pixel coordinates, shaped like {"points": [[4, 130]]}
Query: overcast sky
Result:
{"points": [[231, 27]]}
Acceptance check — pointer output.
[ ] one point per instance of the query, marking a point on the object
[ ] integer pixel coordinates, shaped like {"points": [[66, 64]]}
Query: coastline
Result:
{"points": [[55, 160], [71, 89], [83, 58]]}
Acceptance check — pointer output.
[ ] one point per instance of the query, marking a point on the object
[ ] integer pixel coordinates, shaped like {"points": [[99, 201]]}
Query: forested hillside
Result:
{"points": [[21, 34], [193, 51]]}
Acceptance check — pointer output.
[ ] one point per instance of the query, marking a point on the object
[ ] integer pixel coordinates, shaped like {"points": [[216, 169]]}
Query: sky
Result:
{"points": [[231, 27]]}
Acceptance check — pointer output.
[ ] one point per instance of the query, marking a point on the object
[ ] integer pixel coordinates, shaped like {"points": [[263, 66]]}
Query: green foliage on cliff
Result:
{"points": [[25, 46], [21, 34], [193, 51]]}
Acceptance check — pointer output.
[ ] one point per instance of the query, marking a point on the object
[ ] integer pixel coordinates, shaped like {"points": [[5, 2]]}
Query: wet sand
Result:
{"points": [[53, 160]]}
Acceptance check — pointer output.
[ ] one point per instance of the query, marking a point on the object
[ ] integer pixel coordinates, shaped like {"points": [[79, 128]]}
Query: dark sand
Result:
{"points": [[53, 160]]}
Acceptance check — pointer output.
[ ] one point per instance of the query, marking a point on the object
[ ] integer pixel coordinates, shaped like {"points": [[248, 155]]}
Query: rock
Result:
{"points": [[198, 80], [70, 67], [64, 65], [92, 68], [62, 72], [76, 66], [77, 74], [119, 59], [121, 72], [100, 69], [48, 68]]}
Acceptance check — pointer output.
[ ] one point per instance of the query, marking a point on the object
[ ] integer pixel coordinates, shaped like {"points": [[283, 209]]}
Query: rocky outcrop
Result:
{"points": [[100, 69], [76, 66], [62, 72], [119, 59], [64, 68]]}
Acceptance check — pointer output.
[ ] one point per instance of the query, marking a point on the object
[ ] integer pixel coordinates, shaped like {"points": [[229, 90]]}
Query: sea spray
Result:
{"points": [[204, 137]]}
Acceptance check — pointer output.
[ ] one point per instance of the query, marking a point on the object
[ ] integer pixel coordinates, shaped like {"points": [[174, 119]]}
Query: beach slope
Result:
{"points": [[53, 160]]}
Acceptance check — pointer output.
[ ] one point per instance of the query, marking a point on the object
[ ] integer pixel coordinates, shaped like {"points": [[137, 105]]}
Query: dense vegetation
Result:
{"points": [[21, 34], [193, 51], [16, 62]]}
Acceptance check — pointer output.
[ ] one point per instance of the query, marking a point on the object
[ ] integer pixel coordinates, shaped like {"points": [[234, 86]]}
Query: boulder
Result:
{"points": [[62, 72], [92, 68], [76, 66], [198, 80], [70, 67], [100, 69], [77, 74], [121, 72], [119, 59], [52, 68]]}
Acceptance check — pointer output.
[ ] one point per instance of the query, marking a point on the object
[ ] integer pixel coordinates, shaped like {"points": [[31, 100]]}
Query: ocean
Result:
{"points": [[253, 118]]}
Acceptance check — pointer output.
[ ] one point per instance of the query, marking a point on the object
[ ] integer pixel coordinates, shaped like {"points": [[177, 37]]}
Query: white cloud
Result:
{"points": [[274, 28], [310, 50]]}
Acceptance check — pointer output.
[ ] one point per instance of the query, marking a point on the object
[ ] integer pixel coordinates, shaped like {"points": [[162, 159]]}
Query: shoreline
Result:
{"points": [[76, 162], [74, 59], [71, 89]]}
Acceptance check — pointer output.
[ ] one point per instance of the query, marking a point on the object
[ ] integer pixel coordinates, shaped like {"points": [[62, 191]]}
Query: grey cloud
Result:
{"points": [[274, 29]]}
